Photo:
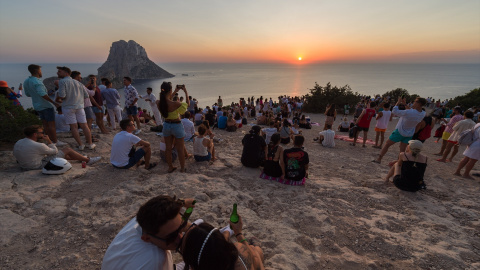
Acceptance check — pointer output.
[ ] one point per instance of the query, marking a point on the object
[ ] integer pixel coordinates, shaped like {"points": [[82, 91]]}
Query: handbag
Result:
{"points": [[466, 137]]}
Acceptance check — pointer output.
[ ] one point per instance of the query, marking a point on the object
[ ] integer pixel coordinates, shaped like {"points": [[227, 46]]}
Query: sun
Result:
{"points": [[299, 58]]}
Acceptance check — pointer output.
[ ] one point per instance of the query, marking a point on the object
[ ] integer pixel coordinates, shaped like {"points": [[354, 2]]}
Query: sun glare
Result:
{"points": [[300, 58]]}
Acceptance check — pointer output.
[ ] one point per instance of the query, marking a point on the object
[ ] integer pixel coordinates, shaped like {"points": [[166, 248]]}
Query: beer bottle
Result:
{"points": [[234, 216], [188, 212]]}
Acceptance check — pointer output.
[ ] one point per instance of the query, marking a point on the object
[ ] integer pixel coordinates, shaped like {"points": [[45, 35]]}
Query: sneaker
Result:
{"points": [[137, 132], [60, 143], [93, 160], [91, 146], [81, 147]]}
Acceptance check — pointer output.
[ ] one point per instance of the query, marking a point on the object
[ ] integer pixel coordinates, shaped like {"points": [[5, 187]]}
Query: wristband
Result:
{"points": [[243, 240], [236, 235]]}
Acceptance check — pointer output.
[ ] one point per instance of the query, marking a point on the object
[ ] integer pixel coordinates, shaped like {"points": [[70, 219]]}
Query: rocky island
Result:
{"points": [[130, 59]]}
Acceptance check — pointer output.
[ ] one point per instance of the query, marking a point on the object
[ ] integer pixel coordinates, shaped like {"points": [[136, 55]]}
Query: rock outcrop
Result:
{"points": [[130, 59]]}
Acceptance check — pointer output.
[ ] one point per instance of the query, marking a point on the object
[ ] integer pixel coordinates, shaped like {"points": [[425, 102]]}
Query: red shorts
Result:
{"points": [[452, 142]]}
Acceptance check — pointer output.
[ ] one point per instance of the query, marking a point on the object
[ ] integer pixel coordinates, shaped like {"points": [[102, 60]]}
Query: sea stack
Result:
{"points": [[130, 59]]}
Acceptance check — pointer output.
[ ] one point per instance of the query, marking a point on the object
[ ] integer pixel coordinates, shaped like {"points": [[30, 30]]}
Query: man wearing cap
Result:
{"points": [[42, 103], [131, 97], [72, 94]]}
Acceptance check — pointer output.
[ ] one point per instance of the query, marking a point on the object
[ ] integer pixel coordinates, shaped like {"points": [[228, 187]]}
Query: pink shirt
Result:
{"points": [[452, 122]]}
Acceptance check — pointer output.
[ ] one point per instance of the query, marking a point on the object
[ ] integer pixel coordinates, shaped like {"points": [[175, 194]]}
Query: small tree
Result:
{"points": [[466, 101], [320, 96], [13, 119]]}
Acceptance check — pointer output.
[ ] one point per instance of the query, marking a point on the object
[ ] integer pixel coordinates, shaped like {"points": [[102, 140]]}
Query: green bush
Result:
{"points": [[320, 96], [13, 119], [395, 93], [466, 101]]}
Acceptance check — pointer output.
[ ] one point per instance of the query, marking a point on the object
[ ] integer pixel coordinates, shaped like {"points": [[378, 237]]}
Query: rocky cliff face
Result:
{"points": [[130, 59]]}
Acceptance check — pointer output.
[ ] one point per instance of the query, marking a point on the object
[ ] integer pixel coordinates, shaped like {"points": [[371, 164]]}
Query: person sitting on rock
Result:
{"points": [[123, 155], [33, 155], [254, 149], [145, 242], [203, 149]]}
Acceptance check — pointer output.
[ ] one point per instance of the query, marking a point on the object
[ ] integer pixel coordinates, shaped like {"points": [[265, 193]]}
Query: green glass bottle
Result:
{"points": [[234, 216], [188, 212]]}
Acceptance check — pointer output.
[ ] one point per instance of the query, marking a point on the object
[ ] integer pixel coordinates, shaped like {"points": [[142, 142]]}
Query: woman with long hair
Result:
{"points": [[274, 155], [173, 130], [286, 132], [231, 123], [331, 114], [409, 169]]}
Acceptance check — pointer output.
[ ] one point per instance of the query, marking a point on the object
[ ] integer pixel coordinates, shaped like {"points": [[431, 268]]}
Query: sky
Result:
{"points": [[51, 31]]}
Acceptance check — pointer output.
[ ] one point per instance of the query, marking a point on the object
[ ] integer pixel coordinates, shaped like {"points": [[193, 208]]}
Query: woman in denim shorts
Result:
{"points": [[173, 130]]}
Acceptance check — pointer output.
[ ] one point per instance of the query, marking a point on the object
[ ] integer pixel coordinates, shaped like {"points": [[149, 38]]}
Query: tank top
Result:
{"points": [[366, 118], [198, 148], [382, 123]]}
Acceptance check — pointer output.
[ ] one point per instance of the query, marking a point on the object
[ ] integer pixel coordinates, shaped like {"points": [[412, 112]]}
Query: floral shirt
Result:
{"points": [[13, 97], [130, 95]]}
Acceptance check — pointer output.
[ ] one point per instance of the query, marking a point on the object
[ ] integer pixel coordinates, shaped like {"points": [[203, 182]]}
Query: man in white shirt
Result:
{"points": [[33, 155], [120, 156], [406, 125], [152, 100], [60, 122], [268, 132], [145, 242], [327, 137], [188, 126], [72, 95]]}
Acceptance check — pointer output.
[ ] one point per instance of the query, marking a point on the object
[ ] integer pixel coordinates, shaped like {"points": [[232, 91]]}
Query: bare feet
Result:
{"points": [[457, 174], [441, 160], [183, 170], [448, 160], [172, 169], [467, 176], [438, 154]]}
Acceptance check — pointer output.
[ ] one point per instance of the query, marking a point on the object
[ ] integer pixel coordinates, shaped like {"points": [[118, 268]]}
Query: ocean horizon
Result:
{"points": [[207, 81]]}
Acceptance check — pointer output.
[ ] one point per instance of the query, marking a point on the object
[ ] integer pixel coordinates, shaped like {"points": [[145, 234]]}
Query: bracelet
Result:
{"points": [[236, 235], [243, 240]]}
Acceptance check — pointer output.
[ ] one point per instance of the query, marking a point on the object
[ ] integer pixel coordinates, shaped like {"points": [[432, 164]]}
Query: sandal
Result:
{"points": [[152, 165]]}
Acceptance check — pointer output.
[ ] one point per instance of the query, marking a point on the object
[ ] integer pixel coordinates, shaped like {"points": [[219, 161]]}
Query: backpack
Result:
{"points": [[352, 132], [425, 133], [466, 137], [439, 131]]}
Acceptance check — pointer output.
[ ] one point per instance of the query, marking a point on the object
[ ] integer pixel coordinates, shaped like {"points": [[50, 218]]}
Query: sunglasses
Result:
{"points": [[181, 240], [170, 238]]}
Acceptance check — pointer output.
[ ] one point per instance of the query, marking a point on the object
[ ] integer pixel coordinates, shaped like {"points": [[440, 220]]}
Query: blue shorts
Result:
{"points": [[89, 113], [203, 158], [134, 159], [132, 110], [173, 129], [397, 137], [47, 114], [97, 110]]}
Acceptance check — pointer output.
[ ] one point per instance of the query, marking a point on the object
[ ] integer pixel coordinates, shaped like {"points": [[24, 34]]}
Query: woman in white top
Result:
{"points": [[472, 154], [203, 149], [383, 117]]}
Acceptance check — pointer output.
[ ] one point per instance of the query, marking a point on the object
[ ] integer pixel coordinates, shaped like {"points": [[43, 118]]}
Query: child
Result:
{"points": [[383, 117]]}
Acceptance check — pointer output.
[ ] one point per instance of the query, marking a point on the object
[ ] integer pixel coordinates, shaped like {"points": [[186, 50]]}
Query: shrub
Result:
{"points": [[395, 93], [320, 96], [466, 101], [13, 119]]}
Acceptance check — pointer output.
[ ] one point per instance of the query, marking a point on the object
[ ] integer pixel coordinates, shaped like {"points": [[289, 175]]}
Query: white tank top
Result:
{"points": [[382, 123], [198, 148]]}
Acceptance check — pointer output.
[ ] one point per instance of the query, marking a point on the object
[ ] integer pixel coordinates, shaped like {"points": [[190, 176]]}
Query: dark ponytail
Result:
{"points": [[165, 88]]}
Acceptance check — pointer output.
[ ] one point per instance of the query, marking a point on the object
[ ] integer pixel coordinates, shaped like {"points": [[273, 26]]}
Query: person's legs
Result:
{"points": [[455, 151], [179, 145], [471, 162], [403, 146], [111, 118], [212, 150], [75, 133], [168, 153], [70, 154], [51, 131], [99, 120], [460, 166], [158, 117], [137, 120], [365, 133], [384, 150], [377, 136], [355, 137], [118, 114], [148, 155], [442, 149], [382, 138], [446, 152], [391, 172], [86, 132]]}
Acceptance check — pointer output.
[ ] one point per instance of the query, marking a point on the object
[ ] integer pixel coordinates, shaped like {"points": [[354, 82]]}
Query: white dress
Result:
{"points": [[473, 151]]}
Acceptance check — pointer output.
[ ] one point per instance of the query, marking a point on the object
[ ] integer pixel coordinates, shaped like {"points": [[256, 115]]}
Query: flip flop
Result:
{"points": [[376, 161], [440, 160], [151, 166], [172, 170]]}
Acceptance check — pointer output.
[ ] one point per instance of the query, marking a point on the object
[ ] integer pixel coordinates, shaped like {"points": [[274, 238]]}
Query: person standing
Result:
{"points": [[89, 102], [452, 142], [131, 97], [471, 155], [220, 102], [111, 97], [42, 103], [363, 122], [382, 118], [406, 125], [72, 94], [152, 100], [456, 117], [97, 97]]}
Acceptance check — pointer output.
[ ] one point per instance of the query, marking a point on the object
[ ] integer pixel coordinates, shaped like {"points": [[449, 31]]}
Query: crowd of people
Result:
{"points": [[277, 148]]}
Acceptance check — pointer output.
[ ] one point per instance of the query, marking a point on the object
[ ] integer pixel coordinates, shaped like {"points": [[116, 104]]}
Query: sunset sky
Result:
{"points": [[242, 31]]}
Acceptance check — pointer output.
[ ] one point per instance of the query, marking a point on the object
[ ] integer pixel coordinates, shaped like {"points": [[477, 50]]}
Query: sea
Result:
{"points": [[231, 81]]}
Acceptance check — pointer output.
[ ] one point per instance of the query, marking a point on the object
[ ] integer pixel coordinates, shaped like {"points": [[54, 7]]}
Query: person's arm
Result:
{"points": [[379, 115], [361, 115], [420, 126], [51, 149], [94, 102], [143, 143], [186, 96], [282, 165]]}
